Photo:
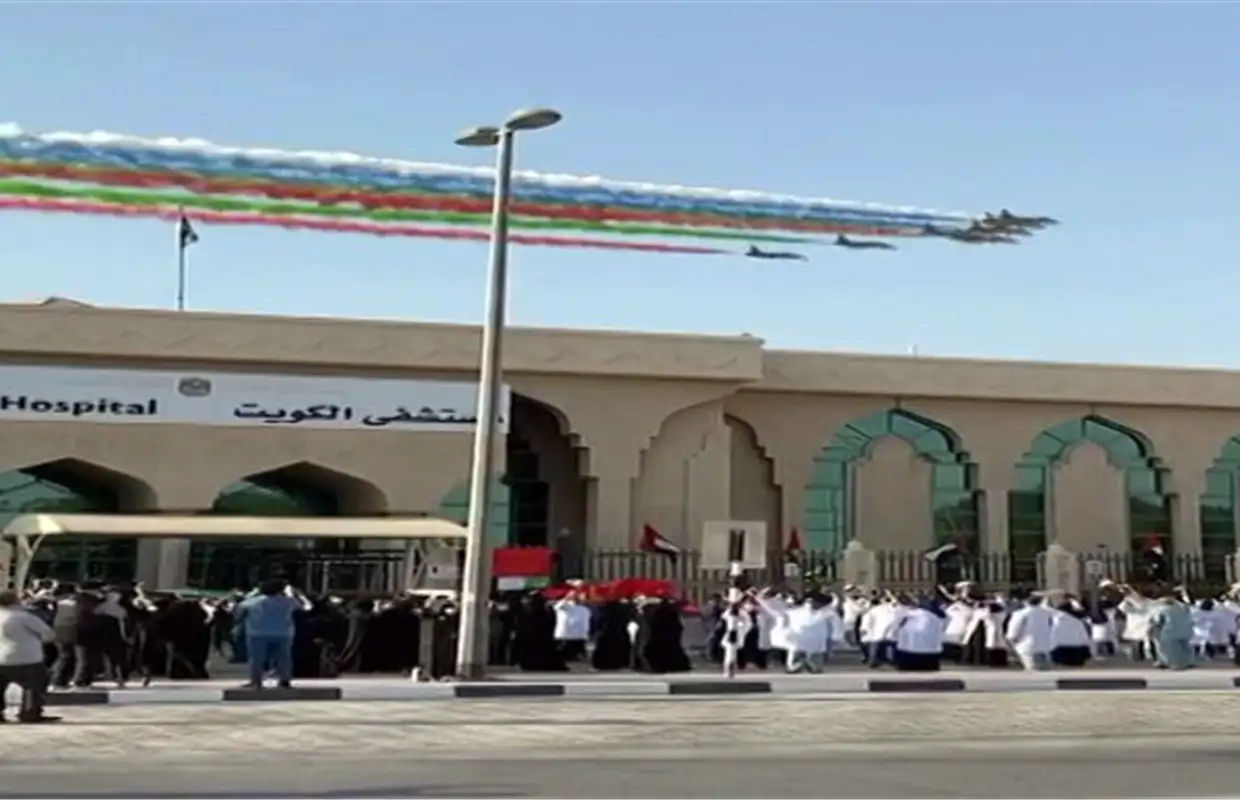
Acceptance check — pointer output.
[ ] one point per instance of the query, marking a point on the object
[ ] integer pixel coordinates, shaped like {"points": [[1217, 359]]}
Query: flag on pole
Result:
{"points": [[936, 553], [186, 235], [655, 542]]}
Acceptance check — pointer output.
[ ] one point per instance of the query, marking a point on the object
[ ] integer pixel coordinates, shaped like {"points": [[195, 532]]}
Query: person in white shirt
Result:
{"points": [[811, 628], [1137, 609], [991, 617], [736, 622], [959, 625], [1030, 631], [918, 639], [22, 636], [572, 627], [1070, 637], [877, 632]]}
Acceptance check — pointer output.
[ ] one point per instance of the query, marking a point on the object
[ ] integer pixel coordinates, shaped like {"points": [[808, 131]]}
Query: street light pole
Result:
{"points": [[471, 652]]}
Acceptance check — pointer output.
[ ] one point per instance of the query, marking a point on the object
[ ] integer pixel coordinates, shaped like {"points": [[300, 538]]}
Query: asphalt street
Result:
{"points": [[1168, 744]]}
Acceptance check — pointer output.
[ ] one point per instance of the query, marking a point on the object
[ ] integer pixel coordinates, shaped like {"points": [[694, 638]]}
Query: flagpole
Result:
{"points": [[181, 259], [181, 248]]}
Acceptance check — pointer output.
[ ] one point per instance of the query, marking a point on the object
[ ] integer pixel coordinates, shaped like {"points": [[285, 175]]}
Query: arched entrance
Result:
{"points": [[939, 481], [547, 492], [755, 496], [1092, 483], [1218, 510], [297, 490], [70, 486]]}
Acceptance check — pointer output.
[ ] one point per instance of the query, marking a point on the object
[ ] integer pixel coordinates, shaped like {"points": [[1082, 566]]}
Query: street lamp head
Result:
{"points": [[531, 119], [481, 136]]}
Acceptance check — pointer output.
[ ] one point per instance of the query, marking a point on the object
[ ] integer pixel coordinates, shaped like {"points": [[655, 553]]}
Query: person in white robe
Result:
{"points": [[918, 639], [1029, 630]]}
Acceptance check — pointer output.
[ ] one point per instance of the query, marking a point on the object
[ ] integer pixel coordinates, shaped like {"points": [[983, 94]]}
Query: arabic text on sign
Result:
{"points": [[334, 413]]}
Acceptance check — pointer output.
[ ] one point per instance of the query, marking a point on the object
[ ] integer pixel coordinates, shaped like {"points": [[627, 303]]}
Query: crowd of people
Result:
{"points": [[65, 637], [1162, 626]]}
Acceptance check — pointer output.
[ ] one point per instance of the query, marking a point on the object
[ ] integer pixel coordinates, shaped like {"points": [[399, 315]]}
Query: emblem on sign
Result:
{"points": [[194, 387]]}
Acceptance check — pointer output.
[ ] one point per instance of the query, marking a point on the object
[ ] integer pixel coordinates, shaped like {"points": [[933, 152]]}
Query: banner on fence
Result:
{"points": [[731, 540]]}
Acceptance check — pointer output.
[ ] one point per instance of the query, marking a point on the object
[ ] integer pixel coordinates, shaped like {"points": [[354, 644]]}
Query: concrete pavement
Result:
{"points": [[602, 686], [538, 728], [1007, 745]]}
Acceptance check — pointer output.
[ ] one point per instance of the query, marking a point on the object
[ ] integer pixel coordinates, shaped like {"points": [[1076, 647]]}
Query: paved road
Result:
{"points": [[1000, 772], [1000, 746]]}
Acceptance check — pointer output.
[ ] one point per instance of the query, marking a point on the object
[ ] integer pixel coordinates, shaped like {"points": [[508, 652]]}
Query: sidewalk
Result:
{"points": [[530, 686]]}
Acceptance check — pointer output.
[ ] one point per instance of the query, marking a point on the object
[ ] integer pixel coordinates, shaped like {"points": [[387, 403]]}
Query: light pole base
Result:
{"points": [[472, 672]]}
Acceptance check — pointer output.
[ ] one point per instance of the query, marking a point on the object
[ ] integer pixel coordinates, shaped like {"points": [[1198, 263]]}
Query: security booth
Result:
{"points": [[378, 555]]}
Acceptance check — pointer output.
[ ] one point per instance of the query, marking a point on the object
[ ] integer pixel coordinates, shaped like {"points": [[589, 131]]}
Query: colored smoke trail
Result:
{"points": [[346, 170], [170, 213]]}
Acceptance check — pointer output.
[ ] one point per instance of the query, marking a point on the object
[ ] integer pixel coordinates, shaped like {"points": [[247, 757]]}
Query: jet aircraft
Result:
{"points": [[862, 244], [1005, 221], [972, 235], [775, 255]]}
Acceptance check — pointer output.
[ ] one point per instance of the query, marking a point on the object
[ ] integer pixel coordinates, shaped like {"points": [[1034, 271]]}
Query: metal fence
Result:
{"points": [[902, 570]]}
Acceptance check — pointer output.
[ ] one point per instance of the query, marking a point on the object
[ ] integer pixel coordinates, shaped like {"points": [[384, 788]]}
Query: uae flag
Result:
{"points": [[1155, 557], [186, 235], [937, 554], [793, 554], [655, 542]]}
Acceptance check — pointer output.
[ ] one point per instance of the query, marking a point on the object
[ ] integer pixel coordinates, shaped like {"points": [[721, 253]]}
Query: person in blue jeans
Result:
{"points": [[268, 620]]}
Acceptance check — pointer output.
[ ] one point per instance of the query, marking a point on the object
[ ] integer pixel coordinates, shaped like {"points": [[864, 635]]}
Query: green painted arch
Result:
{"points": [[455, 506], [1146, 479], [828, 522], [68, 558], [263, 497], [1219, 505]]}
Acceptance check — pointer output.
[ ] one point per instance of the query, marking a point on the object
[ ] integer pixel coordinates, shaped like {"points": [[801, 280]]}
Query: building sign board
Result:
{"points": [[195, 397]]}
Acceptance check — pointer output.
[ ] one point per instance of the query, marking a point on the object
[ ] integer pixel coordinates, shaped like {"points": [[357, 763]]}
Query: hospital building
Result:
{"points": [[111, 410]]}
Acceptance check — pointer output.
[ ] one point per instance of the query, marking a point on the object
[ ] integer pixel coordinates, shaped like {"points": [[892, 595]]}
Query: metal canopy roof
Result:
{"points": [[156, 525]]}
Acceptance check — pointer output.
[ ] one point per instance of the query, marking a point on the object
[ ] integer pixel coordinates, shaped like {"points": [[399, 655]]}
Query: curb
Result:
{"points": [[841, 685]]}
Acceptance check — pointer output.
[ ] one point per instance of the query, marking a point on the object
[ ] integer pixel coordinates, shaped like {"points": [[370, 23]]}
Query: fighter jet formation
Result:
{"points": [[1002, 228], [1005, 227]]}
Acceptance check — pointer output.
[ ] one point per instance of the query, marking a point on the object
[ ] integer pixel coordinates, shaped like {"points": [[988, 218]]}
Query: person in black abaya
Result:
{"points": [[534, 642], [307, 648], [358, 654], [503, 611], [613, 647], [660, 649]]}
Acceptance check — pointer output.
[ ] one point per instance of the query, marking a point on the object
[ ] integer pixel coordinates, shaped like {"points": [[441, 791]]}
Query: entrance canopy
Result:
{"points": [[21, 537], [158, 525]]}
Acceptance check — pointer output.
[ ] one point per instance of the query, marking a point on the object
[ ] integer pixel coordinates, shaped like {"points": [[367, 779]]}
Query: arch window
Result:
{"points": [[829, 519], [1149, 512], [242, 563], [47, 489], [1218, 509]]}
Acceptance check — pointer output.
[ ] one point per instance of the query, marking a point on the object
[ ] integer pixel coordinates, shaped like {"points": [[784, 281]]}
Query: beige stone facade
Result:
{"points": [[622, 430]]}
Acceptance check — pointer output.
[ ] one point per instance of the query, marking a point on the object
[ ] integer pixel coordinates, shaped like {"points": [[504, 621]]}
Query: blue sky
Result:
{"points": [[1118, 118]]}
